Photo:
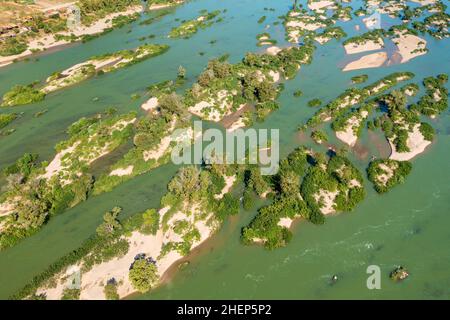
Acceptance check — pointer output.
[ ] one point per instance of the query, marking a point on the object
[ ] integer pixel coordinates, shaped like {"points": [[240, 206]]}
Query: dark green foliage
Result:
{"points": [[428, 104], [7, 118], [150, 222], [298, 93], [143, 275], [248, 199], [400, 170], [360, 79], [20, 95], [314, 103], [262, 19], [427, 131], [23, 165], [228, 206], [110, 290]]}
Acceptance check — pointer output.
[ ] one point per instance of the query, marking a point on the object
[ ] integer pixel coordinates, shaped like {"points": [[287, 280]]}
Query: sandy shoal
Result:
{"points": [[373, 60], [320, 4], [370, 45], [407, 43], [416, 144], [49, 41]]}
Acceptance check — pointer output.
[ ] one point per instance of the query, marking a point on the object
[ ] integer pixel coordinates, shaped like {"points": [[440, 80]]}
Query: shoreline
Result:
{"points": [[416, 143], [49, 42]]}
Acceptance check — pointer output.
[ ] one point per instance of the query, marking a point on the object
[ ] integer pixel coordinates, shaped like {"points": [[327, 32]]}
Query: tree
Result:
{"points": [[181, 72], [110, 290], [150, 221], [187, 183], [289, 183], [143, 275], [396, 100], [110, 223]]}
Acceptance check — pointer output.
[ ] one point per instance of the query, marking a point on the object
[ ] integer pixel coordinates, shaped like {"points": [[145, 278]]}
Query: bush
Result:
{"points": [[314, 103], [228, 206], [70, 294], [427, 131], [298, 93], [143, 275], [12, 46], [360, 79], [20, 95], [110, 290]]}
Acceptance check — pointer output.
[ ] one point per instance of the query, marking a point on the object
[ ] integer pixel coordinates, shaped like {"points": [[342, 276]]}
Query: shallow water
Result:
{"points": [[408, 226]]}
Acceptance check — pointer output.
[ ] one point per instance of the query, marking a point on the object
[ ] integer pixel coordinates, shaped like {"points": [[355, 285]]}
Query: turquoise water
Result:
{"points": [[408, 226]]}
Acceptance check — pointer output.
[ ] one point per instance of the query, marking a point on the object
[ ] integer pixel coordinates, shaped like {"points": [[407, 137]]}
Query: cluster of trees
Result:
{"points": [[190, 27], [254, 185], [319, 136], [354, 96], [36, 199], [7, 118], [435, 100], [295, 194], [360, 79], [399, 170], [374, 35], [314, 103], [92, 10], [12, 46], [19, 95], [107, 243]]}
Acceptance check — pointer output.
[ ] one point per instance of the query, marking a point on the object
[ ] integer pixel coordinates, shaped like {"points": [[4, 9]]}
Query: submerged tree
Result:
{"points": [[110, 223]]}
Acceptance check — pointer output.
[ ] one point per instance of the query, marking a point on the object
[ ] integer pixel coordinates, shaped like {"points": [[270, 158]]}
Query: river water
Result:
{"points": [[409, 226]]}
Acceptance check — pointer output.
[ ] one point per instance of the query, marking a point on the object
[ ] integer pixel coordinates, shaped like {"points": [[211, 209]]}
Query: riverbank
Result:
{"points": [[47, 42]]}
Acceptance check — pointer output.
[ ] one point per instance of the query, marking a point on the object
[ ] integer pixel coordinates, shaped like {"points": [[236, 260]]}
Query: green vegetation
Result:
{"points": [[332, 33], [98, 9], [319, 136], [262, 19], [110, 290], [355, 96], [36, 199], [148, 133], [143, 275], [427, 131], [353, 119], [435, 100], [264, 39], [248, 82], [360, 79], [20, 95], [296, 195], [386, 173], [70, 294], [314, 103], [375, 35], [298, 93], [7, 118], [12, 46], [188, 28], [398, 274]]}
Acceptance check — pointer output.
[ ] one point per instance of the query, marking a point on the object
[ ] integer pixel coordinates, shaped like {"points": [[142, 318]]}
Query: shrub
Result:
{"points": [[143, 275], [314, 103]]}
